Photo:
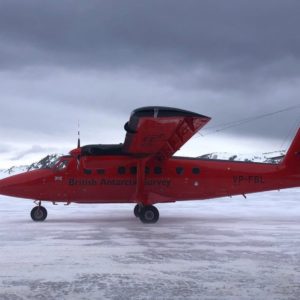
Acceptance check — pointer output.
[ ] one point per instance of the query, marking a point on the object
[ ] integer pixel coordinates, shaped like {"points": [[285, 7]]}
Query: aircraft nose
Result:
{"points": [[24, 185], [11, 186]]}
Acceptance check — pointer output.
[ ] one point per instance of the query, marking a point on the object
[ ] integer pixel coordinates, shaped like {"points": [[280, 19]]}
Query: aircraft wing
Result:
{"points": [[160, 131]]}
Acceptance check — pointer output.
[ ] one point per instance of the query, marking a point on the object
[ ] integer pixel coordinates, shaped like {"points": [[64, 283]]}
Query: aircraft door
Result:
{"points": [[61, 171]]}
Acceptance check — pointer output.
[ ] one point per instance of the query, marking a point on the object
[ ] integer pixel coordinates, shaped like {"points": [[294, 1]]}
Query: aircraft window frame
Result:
{"points": [[196, 170], [121, 170], [61, 165], [147, 170], [52, 165], [179, 170], [87, 171]]}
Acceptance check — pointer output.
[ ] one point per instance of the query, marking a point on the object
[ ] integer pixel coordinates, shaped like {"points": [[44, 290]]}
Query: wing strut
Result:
{"points": [[140, 195]]}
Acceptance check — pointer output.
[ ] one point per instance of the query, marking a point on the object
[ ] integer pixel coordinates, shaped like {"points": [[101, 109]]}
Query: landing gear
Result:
{"points": [[39, 213], [137, 210], [149, 214]]}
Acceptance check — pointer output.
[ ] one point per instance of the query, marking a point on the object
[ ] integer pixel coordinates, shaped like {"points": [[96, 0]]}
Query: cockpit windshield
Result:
{"points": [[50, 162]]}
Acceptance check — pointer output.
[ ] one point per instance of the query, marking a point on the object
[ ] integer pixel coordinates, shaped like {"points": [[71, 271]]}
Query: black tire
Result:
{"points": [[137, 210], [149, 214], [38, 214]]}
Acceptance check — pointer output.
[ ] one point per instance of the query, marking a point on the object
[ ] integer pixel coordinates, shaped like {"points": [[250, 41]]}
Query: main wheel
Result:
{"points": [[137, 210], [149, 214], [38, 214]]}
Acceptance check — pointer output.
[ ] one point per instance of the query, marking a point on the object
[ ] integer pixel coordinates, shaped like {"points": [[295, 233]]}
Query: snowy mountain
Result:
{"points": [[272, 157], [43, 163]]}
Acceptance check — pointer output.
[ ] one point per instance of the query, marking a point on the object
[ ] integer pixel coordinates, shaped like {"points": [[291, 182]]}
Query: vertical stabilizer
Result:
{"points": [[292, 157]]}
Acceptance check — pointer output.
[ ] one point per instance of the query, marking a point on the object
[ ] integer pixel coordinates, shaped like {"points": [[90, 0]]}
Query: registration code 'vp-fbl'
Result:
{"points": [[237, 180]]}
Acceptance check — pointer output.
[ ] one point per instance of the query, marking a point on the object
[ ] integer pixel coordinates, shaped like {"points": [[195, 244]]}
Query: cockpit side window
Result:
{"points": [[62, 165]]}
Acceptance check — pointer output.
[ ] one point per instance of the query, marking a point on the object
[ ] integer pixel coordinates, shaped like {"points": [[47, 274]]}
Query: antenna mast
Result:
{"points": [[78, 140]]}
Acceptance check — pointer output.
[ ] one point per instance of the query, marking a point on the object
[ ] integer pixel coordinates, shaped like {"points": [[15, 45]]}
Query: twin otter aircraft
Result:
{"points": [[144, 171]]}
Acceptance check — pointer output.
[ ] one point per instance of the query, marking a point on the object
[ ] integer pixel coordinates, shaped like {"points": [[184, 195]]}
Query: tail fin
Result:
{"points": [[292, 157]]}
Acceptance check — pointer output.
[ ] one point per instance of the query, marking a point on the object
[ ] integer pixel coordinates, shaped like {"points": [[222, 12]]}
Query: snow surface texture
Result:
{"points": [[218, 249]]}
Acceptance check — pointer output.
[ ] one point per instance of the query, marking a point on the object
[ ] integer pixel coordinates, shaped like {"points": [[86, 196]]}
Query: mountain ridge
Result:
{"points": [[49, 160], [43, 163]]}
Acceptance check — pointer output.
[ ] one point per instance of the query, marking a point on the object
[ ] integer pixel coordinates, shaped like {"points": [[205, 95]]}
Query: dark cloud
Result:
{"points": [[61, 61], [230, 34]]}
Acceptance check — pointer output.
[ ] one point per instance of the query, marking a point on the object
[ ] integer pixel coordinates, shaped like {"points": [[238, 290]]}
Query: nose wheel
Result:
{"points": [[148, 214], [38, 213]]}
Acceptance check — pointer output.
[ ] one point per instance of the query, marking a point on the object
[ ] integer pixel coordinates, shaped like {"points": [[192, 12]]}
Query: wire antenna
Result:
{"points": [[226, 126]]}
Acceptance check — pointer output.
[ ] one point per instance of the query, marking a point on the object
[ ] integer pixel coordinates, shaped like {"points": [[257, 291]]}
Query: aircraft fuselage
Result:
{"points": [[113, 179]]}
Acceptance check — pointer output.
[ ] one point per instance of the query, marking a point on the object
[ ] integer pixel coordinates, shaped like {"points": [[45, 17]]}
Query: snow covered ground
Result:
{"points": [[218, 249]]}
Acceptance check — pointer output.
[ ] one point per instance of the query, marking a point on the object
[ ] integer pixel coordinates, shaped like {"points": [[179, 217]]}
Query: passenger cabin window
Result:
{"points": [[122, 170], [87, 171], [157, 170], [196, 171], [101, 171], [179, 170]]}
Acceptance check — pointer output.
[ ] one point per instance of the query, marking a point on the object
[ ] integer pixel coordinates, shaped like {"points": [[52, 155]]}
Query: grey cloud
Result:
{"points": [[45, 105], [5, 148], [234, 50], [230, 34], [33, 150], [61, 61]]}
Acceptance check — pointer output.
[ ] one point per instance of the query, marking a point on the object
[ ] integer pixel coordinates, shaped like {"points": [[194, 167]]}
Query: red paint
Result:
{"points": [[150, 143]]}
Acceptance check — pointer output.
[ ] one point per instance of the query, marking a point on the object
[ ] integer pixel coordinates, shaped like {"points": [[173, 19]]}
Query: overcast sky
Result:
{"points": [[96, 61]]}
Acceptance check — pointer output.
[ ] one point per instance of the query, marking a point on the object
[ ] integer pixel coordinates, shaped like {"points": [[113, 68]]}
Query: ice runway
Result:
{"points": [[218, 249]]}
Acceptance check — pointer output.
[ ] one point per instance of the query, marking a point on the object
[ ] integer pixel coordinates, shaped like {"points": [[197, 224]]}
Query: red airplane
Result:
{"points": [[144, 171]]}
